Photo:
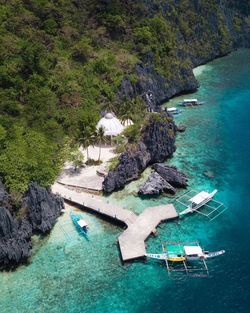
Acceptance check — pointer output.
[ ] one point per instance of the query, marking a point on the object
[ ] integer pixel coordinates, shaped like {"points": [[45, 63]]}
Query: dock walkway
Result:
{"points": [[132, 240], [139, 228], [96, 204]]}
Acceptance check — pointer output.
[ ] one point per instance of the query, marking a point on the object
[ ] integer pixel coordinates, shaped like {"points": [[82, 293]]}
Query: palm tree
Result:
{"points": [[87, 139], [126, 109], [100, 137]]}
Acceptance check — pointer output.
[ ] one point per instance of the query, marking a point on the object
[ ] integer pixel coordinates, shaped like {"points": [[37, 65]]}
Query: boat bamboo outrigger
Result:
{"points": [[185, 256], [80, 224], [190, 102], [200, 200]]}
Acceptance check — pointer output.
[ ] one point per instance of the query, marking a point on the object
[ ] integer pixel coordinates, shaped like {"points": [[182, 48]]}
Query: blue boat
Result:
{"points": [[80, 224]]}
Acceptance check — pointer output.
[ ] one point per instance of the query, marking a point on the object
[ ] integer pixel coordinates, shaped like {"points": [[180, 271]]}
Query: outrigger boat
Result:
{"points": [[179, 256], [173, 110], [190, 102], [80, 224], [199, 200]]}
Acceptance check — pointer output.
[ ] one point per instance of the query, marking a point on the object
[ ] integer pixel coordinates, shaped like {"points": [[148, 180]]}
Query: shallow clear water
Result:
{"points": [[73, 275]]}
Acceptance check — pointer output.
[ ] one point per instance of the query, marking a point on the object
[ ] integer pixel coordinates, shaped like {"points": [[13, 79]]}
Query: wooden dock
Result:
{"points": [[139, 228], [96, 204], [132, 240]]}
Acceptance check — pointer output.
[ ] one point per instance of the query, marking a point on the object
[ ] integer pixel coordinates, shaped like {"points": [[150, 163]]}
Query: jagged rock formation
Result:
{"points": [[156, 145], [155, 185], [164, 179], [171, 174], [41, 208]]}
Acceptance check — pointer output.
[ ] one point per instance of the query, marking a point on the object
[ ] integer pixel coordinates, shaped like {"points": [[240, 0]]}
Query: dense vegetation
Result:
{"points": [[62, 62]]}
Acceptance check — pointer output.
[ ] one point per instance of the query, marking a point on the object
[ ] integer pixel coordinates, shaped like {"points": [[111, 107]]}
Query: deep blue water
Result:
{"points": [[74, 276]]}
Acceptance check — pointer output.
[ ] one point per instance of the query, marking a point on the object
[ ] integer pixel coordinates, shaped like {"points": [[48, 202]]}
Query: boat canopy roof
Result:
{"points": [[190, 100], [82, 223], [193, 250], [200, 197], [171, 109]]}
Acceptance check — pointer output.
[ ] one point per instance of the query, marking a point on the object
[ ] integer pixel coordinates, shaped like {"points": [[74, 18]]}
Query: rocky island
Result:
{"points": [[62, 63]]}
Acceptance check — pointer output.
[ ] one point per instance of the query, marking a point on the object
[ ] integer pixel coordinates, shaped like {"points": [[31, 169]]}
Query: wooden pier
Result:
{"points": [[96, 204], [132, 240], [139, 227]]}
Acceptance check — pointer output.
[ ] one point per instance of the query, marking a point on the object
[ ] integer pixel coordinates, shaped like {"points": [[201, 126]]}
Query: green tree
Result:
{"points": [[100, 137], [76, 157], [87, 138]]}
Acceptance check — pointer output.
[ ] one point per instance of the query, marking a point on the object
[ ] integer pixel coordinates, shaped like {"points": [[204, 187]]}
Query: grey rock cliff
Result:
{"points": [[41, 209], [155, 185], [191, 50], [171, 174], [154, 88], [156, 145]]}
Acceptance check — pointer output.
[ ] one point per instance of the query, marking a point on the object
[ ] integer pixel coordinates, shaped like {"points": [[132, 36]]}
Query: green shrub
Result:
{"points": [[91, 162], [113, 163]]}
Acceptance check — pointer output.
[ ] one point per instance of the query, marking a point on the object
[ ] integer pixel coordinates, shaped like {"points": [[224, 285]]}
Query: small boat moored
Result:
{"points": [[201, 202], [190, 102], [198, 201], [184, 253], [80, 224], [173, 110]]}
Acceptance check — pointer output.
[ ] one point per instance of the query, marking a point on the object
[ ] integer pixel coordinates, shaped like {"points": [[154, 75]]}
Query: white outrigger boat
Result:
{"points": [[190, 102], [199, 200], [173, 110], [179, 256]]}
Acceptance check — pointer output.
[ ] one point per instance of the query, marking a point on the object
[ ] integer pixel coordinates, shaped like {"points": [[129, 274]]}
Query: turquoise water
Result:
{"points": [[72, 275]]}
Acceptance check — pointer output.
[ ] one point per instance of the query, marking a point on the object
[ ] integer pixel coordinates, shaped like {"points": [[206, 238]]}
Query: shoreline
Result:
{"points": [[197, 71]]}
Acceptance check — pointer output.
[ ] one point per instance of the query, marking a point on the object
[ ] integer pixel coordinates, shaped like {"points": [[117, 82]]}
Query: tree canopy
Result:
{"points": [[62, 62]]}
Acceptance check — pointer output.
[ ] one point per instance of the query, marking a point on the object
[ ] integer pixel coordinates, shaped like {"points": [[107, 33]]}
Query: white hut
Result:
{"points": [[112, 126]]}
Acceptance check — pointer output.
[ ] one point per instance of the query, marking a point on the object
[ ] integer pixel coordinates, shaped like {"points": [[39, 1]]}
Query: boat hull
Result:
{"points": [[176, 259], [75, 218]]}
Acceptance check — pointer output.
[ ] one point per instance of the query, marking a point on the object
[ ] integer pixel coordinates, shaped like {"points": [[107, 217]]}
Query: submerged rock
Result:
{"points": [[171, 174], [209, 174], [155, 185], [180, 128]]}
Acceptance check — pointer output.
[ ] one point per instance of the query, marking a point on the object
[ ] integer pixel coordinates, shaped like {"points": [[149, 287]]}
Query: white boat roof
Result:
{"points": [[190, 250], [200, 197], [82, 223], [190, 100], [171, 109]]}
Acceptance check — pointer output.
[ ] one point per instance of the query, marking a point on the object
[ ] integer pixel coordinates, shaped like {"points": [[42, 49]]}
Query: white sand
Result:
{"points": [[87, 177], [107, 153], [198, 70]]}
